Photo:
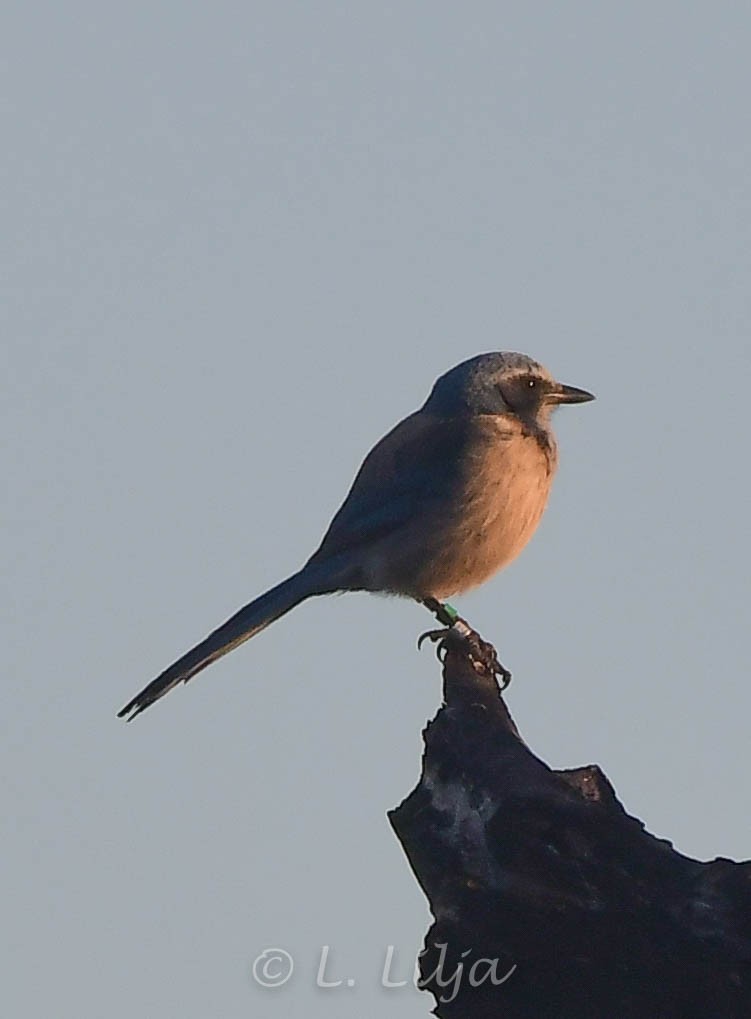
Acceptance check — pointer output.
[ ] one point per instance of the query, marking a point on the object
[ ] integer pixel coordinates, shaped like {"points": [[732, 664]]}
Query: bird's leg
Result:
{"points": [[452, 622], [457, 633], [443, 612]]}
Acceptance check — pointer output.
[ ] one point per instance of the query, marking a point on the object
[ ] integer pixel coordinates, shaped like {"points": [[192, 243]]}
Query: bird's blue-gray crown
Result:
{"points": [[502, 382]]}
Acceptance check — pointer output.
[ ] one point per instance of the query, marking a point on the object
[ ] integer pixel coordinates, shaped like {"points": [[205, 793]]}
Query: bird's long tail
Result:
{"points": [[245, 624]]}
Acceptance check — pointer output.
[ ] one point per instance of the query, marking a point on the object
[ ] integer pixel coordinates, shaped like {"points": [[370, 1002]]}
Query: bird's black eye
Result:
{"points": [[524, 394]]}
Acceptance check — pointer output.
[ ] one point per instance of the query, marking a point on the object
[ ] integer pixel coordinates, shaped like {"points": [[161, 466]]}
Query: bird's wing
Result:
{"points": [[411, 471]]}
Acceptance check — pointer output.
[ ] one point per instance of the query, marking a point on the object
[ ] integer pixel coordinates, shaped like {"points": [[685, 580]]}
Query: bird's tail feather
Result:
{"points": [[245, 624]]}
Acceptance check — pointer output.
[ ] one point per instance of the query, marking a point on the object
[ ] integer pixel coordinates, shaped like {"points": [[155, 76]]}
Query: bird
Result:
{"points": [[443, 501]]}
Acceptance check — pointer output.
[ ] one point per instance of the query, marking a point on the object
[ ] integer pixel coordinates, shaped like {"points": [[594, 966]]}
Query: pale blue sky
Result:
{"points": [[239, 242]]}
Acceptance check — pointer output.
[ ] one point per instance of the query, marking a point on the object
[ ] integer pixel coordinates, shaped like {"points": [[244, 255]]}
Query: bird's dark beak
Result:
{"points": [[568, 394]]}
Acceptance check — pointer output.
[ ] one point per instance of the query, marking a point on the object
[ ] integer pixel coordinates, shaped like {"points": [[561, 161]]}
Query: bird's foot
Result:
{"points": [[461, 637]]}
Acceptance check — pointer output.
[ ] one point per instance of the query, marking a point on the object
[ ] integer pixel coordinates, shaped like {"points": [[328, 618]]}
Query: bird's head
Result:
{"points": [[501, 383]]}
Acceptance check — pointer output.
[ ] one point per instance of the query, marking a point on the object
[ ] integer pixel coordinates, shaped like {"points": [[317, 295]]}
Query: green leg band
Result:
{"points": [[450, 612], [444, 613]]}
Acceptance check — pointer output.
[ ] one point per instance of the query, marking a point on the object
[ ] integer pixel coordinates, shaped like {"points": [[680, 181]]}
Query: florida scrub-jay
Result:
{"points": [[446, 499]]}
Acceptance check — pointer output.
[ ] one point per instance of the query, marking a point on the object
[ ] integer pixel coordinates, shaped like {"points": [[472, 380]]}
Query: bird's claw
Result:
{"points": [[437, 637], [461, 637]]}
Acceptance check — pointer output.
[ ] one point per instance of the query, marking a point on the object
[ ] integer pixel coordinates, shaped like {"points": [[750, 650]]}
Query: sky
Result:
{"points": [[239, 243]]}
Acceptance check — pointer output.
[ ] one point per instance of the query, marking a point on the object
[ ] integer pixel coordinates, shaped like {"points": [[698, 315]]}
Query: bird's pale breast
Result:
{"points": [[501, 495], [504, 499]]}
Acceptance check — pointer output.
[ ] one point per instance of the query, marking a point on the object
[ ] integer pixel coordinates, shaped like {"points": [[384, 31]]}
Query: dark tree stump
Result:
{"points": [[544, 871]]}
